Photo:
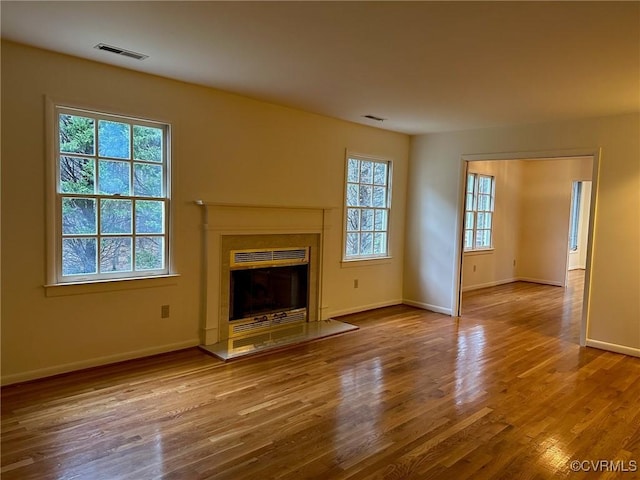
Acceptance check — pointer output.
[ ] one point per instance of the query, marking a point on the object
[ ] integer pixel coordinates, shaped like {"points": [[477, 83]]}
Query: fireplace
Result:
{"points": [[267, 288], [268, 282]]}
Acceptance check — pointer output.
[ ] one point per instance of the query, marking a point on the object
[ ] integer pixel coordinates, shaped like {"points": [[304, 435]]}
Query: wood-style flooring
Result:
{"points": [[504, 392]]}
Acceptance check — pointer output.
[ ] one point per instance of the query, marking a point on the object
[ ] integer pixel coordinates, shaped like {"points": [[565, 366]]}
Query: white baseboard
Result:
{"points": [[540, 280], [364, 308], [489, 284], [94, 362], [427, 306], [613, 347]]}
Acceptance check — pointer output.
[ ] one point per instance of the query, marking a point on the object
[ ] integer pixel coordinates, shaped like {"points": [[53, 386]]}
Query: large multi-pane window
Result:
{"points": [[112, 196], [478, 218], [367, 206]]}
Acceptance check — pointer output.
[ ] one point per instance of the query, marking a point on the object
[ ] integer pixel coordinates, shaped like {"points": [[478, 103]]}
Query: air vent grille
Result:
{"points": [[248, 258], [120, 51], [266, 322]]}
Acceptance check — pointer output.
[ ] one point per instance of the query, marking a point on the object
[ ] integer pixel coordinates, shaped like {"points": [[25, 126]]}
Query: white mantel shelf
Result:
{"points": [[204, 203]]}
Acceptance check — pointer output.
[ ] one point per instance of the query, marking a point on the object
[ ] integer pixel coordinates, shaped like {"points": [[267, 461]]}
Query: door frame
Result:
{"points": [[594, 153]]}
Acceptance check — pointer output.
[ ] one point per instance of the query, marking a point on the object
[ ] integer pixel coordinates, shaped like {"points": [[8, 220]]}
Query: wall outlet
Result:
{"points": [[164, 311], [355, 283]]}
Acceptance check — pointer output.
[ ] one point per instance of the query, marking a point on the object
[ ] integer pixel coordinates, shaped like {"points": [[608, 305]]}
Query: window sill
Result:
{"points": [[81, 288], [483, 251], [365, 262]]}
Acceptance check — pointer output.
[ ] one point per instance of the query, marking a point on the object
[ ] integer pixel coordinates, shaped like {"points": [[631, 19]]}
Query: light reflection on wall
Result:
{"points": [[469, 367]]}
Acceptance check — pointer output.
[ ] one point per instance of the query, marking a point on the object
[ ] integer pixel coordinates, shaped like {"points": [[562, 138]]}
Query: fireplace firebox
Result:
{"points": [[268, 288]]}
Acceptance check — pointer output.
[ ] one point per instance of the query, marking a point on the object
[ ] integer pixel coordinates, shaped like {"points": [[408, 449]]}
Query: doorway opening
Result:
{"points": [[517, 248]]}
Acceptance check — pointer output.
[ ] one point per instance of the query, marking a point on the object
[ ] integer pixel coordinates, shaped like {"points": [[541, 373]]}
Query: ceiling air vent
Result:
{"points": [[120, 51], [373, 117]]}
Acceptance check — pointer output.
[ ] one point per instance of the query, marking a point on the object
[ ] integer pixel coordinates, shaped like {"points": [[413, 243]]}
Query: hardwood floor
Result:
{"points": [[504, 392]]}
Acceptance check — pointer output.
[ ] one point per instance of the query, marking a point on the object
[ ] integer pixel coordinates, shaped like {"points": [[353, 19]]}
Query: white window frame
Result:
{"points": [[54, 197], [474, 211], [377, 210]]}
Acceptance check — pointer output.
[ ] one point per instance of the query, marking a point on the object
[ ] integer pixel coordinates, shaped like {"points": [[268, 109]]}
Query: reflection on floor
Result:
{"points": [[277, 339]]}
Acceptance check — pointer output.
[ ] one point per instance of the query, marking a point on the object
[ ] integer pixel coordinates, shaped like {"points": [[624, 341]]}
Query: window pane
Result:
{"points": [[366, 244], [366, 172], [149, 253], [469, 205], [114, 177], [468, 239], [147, 180], [470, 182], [77, 175], [147, 143], [353, 170], [365, 195], [78, 256], [115, 216], [484, 202], [380, 173], [487, 238], [379, 243], [353, 243], [468, 220], [77, 134], [78, 216], [115, 254], [352, 195], [353, 219], [484, 220], [149, 216], [484, 185], [483, 238], [379, 196], [380, 220], [114, 139], [367, 220]]}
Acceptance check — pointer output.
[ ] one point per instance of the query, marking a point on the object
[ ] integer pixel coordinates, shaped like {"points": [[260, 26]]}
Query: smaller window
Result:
{"points": [[367, 208], [478, 218]]}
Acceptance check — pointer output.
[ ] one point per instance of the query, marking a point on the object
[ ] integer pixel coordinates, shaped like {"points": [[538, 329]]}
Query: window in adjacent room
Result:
{"points": [[575, 216], [478, 219], [111, 196], [367, 207]]}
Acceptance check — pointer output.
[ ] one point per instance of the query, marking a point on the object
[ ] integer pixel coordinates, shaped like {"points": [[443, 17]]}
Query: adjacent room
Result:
{"points": [[320, 239]]}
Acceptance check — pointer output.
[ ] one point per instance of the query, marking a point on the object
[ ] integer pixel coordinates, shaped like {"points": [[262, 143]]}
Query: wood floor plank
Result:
{"points": [[503, 392]]}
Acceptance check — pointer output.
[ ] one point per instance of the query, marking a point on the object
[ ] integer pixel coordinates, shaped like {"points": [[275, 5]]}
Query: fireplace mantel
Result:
{"points": [[224, 220]]}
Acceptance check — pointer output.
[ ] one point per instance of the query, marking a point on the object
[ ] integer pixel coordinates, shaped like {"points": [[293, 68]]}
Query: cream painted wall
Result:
{"points": [[226, 148], [433, 203], [545, 205]]}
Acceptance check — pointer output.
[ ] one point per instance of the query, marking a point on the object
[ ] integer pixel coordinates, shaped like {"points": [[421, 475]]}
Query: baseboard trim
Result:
{"points": [[364, 308], [427, 306], [470, 288], [613, 347], [540, 281], [94, 362]]}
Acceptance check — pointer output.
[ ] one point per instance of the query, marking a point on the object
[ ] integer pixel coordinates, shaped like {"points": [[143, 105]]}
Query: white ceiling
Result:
{"points": [[423, 66]]}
